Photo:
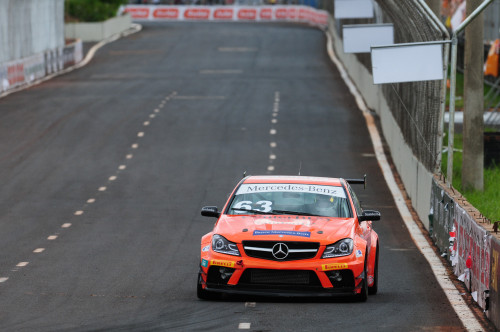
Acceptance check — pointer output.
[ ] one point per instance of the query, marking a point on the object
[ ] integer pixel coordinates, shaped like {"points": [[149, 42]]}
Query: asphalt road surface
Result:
{"points": [[104, 171]]}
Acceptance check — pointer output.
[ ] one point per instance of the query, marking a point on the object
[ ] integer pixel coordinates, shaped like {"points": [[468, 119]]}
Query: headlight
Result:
{"points": [[220, 244], [340, 248]]}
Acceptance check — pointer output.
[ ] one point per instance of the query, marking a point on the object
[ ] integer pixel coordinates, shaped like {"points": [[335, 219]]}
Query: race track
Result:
{"points": [[104, 171]]}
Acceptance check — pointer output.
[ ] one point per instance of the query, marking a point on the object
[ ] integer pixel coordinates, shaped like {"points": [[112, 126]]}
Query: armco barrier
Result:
{"points": [[300, 14], [26, 70], [469, 247]]}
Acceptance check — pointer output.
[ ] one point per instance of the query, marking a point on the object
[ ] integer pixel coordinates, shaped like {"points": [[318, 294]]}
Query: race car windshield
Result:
{"points": [[294, 199]]}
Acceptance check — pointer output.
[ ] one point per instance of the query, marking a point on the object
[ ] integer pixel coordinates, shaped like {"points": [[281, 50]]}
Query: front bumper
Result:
{"points": [[304, 278]]}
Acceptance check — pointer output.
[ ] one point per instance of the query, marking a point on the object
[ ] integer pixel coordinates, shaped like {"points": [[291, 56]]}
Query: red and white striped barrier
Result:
{"points": [[300, 14]]}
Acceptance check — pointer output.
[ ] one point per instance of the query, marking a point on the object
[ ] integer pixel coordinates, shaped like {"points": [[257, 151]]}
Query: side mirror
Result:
{"points": [[210, 211], [369, 215]]}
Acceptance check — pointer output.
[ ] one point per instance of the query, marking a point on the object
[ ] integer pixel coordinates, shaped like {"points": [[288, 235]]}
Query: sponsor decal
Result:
{"points": [[281, 13], [247, 14], [222, 263], [297, 222], [197, 13], [223, 14], [359, 253], [296, 188], [205, 248], [291, 233], [334, 266], [204, 263], [168, 13]]}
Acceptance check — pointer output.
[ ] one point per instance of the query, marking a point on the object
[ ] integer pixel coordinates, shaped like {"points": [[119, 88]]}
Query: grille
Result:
{"points": [[296, 250], [279, 277]]}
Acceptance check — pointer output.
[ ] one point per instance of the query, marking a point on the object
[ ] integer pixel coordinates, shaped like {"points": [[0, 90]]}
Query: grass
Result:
{"points": [[459, 93], [487, 201]]}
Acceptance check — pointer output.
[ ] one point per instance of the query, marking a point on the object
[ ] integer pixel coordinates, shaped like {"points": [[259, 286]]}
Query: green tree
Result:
{"points": [[92, 10]]}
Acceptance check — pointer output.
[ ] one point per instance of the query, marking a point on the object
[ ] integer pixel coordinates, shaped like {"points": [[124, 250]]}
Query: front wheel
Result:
{"points": [[203, 294], [363, 295], [374, 288]]}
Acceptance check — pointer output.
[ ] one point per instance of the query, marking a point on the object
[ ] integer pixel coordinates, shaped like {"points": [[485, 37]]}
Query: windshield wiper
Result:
{"points": [[253, 211], [295, 213]]}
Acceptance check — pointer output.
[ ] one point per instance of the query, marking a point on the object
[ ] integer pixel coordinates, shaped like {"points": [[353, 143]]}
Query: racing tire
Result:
{"points": [[374, 288], [203, 294], [363, 295]]}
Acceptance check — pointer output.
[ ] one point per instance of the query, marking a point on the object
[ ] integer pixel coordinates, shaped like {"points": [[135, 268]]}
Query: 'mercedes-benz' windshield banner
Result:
{"points": [[292, 188]]}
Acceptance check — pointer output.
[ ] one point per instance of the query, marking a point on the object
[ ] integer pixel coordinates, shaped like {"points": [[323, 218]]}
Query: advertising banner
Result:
{"points": [[292, 13]]}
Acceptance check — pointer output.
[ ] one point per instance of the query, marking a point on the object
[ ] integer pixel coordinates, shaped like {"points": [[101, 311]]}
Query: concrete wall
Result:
{"points": [[416, 178], [97, 31]]}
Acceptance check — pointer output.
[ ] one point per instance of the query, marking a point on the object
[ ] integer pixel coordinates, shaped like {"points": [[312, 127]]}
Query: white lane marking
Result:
{"points": [[244, 326], [102, 188], [237, 49], [129, 156], [91, 200], [221, 71], [270, 168], [38, 250], [112, 178], [135, 146], [368, 155], [152, 116], [140, 134], [275, 115], [250, 304], [66, 225], [122, 167], [461, 308], [52, 237], [146, 123], [273, 144], [200, 97], [157, 110], [272, 132], [272, 156], [22, 264], [274, 121], [4, 279], [78, 213]]}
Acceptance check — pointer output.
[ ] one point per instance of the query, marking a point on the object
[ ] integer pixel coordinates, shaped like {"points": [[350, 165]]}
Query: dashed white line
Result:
{"points": [[122, 167], [272, 156], [52, 237], [274, 121], [91, 200], [66, 225], [112, 178], [146, 123], [38, 250], [157, 110], [270, 168], [129, 156], [244, 326], [273, 144], [102, 188], [22, 264], [78, 213], [140, 134], [135, 146], [152, 116], [4, 279], [272, 132]]}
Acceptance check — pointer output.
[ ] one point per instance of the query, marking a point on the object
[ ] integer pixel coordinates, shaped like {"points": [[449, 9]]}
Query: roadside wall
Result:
{"points": [[415, 176], [97, 31]]}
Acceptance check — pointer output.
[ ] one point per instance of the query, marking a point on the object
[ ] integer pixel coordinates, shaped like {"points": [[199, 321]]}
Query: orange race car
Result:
{"points": [[290, 236]]}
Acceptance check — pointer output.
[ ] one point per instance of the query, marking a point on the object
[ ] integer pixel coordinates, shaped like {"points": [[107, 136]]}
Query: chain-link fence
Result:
{"points": [[415, 105]]}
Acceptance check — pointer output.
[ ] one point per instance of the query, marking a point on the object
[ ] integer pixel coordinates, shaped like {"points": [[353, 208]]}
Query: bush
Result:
{"points": [[91, 10]]}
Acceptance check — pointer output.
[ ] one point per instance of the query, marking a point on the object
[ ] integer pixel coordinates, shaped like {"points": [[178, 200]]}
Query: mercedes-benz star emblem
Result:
{"points": [[280, 251]]}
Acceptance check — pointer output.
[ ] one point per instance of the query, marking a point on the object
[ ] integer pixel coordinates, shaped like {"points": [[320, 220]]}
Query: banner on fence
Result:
{"points": [[301, 14], [494, 300]]}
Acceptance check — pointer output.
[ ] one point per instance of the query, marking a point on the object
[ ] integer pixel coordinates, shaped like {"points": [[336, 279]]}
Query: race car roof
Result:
{"points": [[293, 179]]}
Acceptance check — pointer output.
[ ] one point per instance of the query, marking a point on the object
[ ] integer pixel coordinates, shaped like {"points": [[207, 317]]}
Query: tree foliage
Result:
{"points": [[92, 10]]}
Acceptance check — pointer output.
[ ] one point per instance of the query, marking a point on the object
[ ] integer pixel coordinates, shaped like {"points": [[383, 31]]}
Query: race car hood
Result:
{"points": [[285, 227]]}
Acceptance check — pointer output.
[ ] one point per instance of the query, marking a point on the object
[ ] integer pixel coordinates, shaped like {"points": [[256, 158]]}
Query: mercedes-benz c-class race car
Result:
{"points": [[290, 236]]}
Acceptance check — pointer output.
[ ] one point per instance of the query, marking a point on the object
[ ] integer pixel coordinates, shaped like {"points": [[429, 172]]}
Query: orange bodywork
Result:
{"points": [[311, 276]]}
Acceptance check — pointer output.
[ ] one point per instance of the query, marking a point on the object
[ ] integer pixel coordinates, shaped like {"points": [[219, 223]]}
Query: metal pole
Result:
{"points": [[453, 84]]}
